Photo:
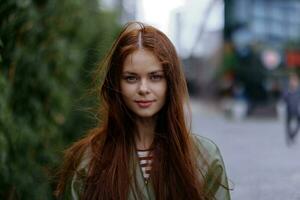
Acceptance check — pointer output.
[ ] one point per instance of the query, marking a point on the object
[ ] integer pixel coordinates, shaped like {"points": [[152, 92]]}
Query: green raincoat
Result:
{"points": [[214, 174]]}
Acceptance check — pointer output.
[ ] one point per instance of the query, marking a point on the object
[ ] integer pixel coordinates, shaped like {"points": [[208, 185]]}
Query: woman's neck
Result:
{"points": [[145, 133]]}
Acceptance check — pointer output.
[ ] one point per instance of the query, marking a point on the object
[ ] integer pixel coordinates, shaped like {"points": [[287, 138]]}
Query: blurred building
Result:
{"points": [[268, 21], [265, 36], [196, 28]]}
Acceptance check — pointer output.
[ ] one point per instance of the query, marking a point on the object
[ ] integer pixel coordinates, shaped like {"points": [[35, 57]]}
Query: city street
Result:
{"points": [[259, 163]]}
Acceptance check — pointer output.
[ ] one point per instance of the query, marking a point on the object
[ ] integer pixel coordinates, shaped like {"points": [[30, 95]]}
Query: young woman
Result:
{"points": [[143, 148]]}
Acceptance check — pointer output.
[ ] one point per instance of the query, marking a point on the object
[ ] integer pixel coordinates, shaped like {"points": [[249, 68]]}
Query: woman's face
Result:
{"points": [[143, 84]]}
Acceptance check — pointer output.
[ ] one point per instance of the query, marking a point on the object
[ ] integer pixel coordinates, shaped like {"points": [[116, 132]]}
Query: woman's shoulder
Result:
{"points": [[82, 150], [85, 159], [77, 159], [216, 182], [81, 155], [204, 142], [207, 147]]}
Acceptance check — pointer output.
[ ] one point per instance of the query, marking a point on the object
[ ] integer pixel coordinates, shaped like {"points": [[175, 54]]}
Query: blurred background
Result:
{"points": [[237, 56]]}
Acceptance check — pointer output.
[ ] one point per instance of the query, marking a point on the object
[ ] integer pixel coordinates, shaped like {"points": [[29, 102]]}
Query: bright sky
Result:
{"points": [[157, 12]]}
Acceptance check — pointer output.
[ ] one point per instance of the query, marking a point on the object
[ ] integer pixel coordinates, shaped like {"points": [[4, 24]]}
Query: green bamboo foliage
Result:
{"points": [[47, 49]]}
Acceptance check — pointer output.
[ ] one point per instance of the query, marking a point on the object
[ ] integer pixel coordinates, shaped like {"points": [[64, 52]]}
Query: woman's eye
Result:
{"points": [[156, 77], [130, 79]]}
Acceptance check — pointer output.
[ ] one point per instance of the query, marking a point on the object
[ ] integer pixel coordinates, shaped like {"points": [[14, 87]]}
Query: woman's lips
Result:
{"points": [[144, 104]]}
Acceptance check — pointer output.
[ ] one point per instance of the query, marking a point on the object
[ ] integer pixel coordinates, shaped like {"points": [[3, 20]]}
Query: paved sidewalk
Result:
{"points": [[259, 163]]}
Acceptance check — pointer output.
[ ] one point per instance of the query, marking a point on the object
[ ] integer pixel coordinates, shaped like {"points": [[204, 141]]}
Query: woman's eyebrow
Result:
{"points": [[130, 73], [156, 72], [153, 72]]}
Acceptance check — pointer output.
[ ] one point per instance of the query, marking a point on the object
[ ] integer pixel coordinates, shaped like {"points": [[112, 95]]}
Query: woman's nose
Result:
{"points": [[143, 87]]}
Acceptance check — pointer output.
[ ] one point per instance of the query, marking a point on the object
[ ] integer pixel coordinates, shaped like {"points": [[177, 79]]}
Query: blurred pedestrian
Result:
{"points": [[143, 148], [292, 100]]}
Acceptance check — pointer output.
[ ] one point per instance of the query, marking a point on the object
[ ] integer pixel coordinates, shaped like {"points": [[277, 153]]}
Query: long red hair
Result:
{"points": [[174, 173]]}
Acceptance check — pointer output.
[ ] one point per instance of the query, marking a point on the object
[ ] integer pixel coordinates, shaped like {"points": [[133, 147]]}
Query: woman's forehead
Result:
{"points": [[142, 60]]}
